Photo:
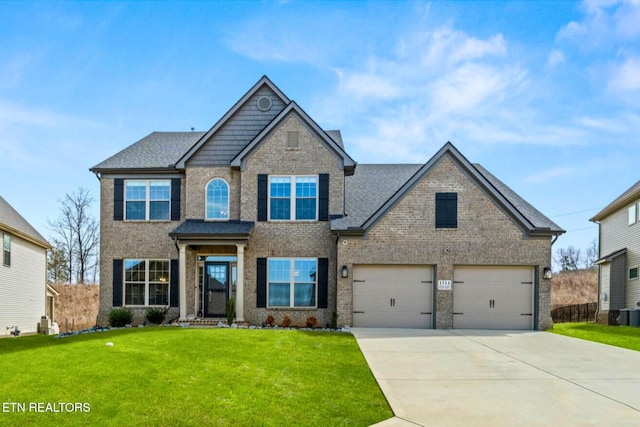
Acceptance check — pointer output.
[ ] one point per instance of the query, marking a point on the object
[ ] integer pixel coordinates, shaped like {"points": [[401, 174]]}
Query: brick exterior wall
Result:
{"points": [[407, 235], [129, 239], [290, 239]]}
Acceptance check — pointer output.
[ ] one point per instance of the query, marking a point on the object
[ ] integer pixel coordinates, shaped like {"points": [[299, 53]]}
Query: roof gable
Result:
{"points": [[347, 162], [530, 220], [239, 134], [620, 202], [12, 222]]}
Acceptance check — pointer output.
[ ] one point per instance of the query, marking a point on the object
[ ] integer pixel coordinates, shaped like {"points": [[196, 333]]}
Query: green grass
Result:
{"points": [[619, 336], [191, 377]]}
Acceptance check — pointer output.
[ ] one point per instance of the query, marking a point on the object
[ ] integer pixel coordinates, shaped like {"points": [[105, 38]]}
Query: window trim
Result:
{"points": [[293, 198], [633, 208], [292, 282], [206, 200], [147, 205], [637, 273], [6, 253], [147, 282]]}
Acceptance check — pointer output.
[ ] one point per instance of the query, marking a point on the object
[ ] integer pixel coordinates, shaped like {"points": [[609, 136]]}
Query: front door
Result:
{"points": [[216, 289]]}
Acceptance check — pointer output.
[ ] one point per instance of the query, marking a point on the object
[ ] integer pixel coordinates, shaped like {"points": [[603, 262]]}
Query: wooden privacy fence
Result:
{"points": [[575, 313]]}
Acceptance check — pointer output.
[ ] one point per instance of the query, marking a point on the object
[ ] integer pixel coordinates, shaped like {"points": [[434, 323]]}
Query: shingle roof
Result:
{"points": [[12, 221], [620, 202], [374, 188], [537, 218], [368, 188], [158, 150], [198, 228]]}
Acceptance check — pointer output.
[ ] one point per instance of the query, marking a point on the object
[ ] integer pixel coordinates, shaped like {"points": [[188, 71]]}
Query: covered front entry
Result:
{"points": [[393, 296], [219, 252], [493, 297]]}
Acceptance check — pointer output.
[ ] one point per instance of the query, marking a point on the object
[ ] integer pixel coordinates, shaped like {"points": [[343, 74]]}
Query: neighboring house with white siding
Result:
{"points": [[23, 272], [619, 256]]}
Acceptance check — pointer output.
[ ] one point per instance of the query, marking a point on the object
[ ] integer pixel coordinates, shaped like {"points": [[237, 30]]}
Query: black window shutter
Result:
{"points": [[323, 282], [118, 199], [174, 291], [175, 199], [261, 282], [323, 197], [262, 197], [117, 282], [446, 210]]}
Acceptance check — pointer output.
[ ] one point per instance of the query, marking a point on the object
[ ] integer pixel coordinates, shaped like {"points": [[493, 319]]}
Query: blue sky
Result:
{"points": [[545, 95]]}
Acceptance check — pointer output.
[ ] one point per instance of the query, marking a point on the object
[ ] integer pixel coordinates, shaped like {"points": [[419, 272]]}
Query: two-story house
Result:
{"points": [[24, 294], [269, 209], [619, 254]]}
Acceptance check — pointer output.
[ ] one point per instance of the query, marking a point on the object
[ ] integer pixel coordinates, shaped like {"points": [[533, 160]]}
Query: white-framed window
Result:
{"points": [[292, 282], [633, 214], [293, 198], [6, 250], [147, 200], [217, 200], [146, 282], [633, 273]]}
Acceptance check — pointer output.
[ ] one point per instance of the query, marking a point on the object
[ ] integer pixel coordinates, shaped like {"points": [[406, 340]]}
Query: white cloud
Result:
{"points": [[549, 175], [367, 84], [626, 76], [555, 58]]}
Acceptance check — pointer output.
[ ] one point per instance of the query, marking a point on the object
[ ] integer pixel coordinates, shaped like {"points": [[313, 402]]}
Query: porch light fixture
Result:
{"points": [[546, 273], [345, 271]]}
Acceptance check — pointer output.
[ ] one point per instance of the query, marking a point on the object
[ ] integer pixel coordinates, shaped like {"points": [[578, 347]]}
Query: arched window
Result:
{"points": [[217, 199]]}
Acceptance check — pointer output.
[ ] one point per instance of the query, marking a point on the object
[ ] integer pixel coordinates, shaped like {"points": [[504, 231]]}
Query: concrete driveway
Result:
{"points": [[497, 378]]}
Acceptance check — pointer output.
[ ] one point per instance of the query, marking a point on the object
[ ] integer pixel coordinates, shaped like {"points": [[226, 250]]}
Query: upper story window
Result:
{"points": [[6, 250], [633, 215], [633, 273], [147, 200], [217, 199], [446, 210], [293, 198]]}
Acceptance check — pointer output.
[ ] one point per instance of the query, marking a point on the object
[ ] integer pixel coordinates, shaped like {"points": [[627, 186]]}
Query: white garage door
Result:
{"points": [[392, 296], [493, 297]]}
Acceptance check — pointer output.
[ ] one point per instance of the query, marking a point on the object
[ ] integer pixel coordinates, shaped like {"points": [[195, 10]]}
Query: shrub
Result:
{"points": [[231, 310], [156, 315], [270, 321], [119, 317], [312, 322], [286, 322]]}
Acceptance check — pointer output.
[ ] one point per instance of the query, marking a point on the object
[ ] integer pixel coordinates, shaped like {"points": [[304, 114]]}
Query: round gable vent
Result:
{"points": [[264, 103]]}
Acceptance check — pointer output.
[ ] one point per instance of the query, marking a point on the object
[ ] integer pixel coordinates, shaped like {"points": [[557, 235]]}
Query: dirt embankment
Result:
{"points": [[574, 287], [77, 306]]}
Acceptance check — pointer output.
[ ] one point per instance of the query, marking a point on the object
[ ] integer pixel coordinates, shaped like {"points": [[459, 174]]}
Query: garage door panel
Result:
{"points": [[392, 296], [493, 297]]}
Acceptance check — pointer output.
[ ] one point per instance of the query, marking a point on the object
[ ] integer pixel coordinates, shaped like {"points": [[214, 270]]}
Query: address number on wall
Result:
{"points": [[444, 285]]}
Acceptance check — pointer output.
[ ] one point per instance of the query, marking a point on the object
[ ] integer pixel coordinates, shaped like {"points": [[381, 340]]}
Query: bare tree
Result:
{"points": [[77, 235], [591, 255], [568, 259]]}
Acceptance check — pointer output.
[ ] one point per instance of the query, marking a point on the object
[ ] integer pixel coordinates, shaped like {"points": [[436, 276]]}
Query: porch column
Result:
{"points": [[240, 284], [182, 270]]}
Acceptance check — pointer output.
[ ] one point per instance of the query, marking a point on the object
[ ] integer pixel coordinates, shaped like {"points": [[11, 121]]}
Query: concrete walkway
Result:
{"points": [[496, 378]]}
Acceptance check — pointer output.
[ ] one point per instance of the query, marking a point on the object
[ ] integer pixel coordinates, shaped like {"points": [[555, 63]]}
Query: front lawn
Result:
{"points": [[619, 336], [189, 377]]}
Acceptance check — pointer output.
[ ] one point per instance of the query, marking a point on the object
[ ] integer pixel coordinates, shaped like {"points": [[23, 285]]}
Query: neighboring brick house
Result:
{"points": [[268, 208], [619, 256], [23, 273]]}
